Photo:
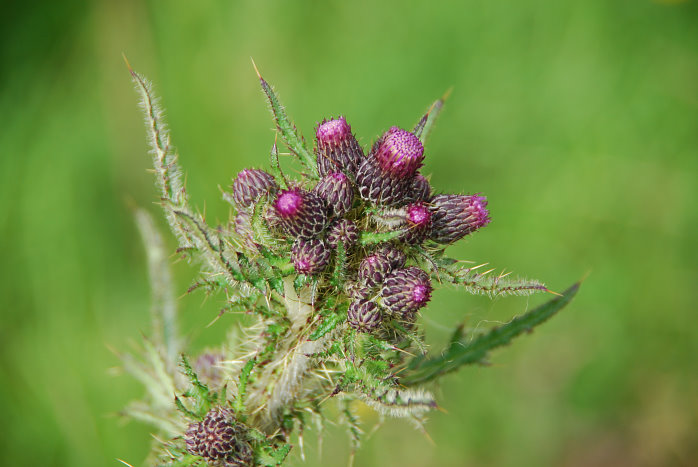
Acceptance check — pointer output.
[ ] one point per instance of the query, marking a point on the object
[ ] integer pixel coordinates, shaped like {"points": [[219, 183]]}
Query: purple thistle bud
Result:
{"points": [[337, 148], [400, 153], [344, 230], [406, 290], [357, 291], [250, 184], [377, 187], [335, 188], [309, 256], [301, 213], [455, 216], [395, 257], [420, 189], [385, 177], [215, 437], [364, 316], [373, 269], [419, 223]]}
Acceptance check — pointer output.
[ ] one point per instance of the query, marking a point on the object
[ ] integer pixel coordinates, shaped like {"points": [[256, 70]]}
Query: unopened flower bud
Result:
{"points": [[420, 189], [344, 230], [385, 177], [335, 188], [395, 257], [455, 216], [357, 290], [216, 437], [406, 290], [337, 148], [373, 270], [363, 315], [400, 153], [301, 213], [309, 256], [418, 223], [250, 184]]}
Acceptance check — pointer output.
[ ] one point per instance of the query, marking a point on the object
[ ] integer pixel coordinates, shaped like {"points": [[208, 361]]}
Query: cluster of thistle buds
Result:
{"points": [[353, 192], [335, 266]]}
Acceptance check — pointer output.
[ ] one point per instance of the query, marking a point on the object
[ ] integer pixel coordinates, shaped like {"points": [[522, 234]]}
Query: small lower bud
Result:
{"points": [[418, 223], [301, 213], [373, 270], [217, 437], [405, 291], [309, 257], [335, 188], [345, 231], [364, 316], [250, 184]]}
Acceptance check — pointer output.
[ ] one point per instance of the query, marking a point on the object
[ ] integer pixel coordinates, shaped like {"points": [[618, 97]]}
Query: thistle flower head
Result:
{"points": [[218, 438], [301, 213], [420, 189], [418, 223], [337, 148], [250, 184], [373, 270], [406, 290], [396, 257], [385, 177], [344, 230], [336, 189], [363, 315], [309, 257], [333, 131], [455, 216], [378, 187], [400, 153]]}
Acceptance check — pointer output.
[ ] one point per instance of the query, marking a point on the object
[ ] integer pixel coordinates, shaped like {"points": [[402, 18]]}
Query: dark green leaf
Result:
{"points": [[460, 352]]}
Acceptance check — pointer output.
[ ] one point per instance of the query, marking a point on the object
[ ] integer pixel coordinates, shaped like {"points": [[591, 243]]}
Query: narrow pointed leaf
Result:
{"points": [[288, 131], [425, 124], [370, 238], [460, 352]]}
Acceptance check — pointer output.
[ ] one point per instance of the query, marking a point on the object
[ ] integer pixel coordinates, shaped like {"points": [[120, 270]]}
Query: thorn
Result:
{"points": [[256, 70], [220, 313], [447, 94], [121, 460], [128, 65]]}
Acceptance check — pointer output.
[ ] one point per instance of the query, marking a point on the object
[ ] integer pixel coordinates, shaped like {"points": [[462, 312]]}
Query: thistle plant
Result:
{"points": [[333, 270]]}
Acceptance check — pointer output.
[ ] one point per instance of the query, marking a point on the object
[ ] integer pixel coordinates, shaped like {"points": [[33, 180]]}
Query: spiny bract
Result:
{"points": [[334, 269]]}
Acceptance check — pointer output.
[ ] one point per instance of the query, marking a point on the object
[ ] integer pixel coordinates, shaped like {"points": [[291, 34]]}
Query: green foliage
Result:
{"points": [[466, 350], [288, 131]]}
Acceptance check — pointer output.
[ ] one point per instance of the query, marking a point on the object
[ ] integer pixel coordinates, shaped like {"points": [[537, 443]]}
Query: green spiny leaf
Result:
{"points": [[187, 413], [486, 284], [329, 323], [339, 265], [288, 130], [242, 388], [461, 352], [201, 393], [371, 238], [425, 124]]}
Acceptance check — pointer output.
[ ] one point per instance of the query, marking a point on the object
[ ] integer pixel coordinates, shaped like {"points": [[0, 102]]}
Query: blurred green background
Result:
{"points": [[578, 120]]}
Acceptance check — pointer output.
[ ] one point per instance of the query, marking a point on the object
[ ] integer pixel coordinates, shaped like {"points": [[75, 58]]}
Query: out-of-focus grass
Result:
{"points": [[579, 121]]}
